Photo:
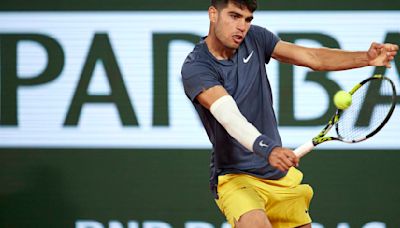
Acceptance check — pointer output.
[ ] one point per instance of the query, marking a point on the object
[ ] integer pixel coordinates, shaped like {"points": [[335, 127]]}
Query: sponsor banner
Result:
{"points": [[192, 224], [112, 79]]}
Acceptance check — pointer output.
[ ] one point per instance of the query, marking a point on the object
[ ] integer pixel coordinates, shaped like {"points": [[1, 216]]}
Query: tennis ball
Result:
{"points": [[342, 99]]}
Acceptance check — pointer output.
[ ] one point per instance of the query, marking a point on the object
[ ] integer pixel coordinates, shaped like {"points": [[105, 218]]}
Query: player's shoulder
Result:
{"points": [[256, 28], [258, 31], [197, 58], [265, 39]]}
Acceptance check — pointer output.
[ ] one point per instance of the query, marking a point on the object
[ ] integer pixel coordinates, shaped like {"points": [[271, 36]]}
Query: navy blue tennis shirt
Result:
{"points": [[244, 77]]}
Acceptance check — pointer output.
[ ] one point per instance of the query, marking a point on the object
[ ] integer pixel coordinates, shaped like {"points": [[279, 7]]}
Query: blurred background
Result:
{"points": [[96, 131]]}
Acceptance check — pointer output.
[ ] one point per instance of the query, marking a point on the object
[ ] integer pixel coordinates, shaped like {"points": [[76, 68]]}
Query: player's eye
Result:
{"points": [[234, 16]]}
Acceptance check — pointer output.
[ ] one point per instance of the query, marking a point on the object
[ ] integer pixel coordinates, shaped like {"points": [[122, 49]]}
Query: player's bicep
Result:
{"points": [[294, 54], [208, 96]]}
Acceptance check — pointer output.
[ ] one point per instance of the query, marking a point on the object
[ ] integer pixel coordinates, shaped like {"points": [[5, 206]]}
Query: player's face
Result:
{"points": [[232, 24]]}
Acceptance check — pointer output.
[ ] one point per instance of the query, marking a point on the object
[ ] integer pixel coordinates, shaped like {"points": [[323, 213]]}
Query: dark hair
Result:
{"points": [[250, 4]]}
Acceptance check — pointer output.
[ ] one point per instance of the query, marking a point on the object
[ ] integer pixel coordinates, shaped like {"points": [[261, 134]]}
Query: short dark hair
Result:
{"points": [[250, 4]]}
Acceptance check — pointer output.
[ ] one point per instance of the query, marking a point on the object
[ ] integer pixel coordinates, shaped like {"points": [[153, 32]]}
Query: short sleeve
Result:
{"points": [[197, 77], [267, 39]]}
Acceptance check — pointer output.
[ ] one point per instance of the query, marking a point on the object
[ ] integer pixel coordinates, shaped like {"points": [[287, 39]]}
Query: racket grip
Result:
{"points": [[304, 149]]}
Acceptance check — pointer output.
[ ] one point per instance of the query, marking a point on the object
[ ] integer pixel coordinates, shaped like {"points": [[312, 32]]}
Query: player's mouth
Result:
{"points": [[237, 39]]}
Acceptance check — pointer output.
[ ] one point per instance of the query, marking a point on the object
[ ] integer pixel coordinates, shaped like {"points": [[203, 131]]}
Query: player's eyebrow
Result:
{"points": [[249, 18]]}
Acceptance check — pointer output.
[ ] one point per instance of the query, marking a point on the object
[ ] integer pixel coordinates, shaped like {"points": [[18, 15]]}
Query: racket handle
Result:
{"points": [[304, 149]]}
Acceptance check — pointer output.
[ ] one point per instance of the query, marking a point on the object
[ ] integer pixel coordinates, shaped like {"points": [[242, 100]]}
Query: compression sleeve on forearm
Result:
{"points": [[227, 113]]}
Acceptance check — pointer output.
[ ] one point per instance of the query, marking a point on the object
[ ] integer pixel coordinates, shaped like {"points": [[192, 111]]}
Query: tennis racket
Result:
{"points": [[373, 103]]}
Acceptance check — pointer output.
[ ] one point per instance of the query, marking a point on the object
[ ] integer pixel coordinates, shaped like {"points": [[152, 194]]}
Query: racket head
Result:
{"points": [[373, 103]]}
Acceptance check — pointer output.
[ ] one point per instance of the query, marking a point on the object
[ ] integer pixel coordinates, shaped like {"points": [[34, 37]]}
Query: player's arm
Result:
{"points": [[328, 59], [224, 108]]}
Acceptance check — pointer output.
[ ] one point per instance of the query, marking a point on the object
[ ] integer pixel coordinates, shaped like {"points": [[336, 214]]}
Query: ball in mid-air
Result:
{"points": [[342, 99]]}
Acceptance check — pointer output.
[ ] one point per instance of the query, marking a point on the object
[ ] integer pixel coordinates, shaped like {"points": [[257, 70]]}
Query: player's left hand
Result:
{"points": [[381, 54]]}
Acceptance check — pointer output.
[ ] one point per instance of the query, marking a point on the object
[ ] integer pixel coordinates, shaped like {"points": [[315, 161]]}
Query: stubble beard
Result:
{"points": [[227, 45]]}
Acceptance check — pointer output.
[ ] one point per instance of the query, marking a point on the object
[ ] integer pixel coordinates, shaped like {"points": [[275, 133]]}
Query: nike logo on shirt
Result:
{"points": [[246, 60], [262, 144]]}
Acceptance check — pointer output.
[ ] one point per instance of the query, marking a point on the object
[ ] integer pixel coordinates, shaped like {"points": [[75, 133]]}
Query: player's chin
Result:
{"points": [[237, 42], [233, 45]]}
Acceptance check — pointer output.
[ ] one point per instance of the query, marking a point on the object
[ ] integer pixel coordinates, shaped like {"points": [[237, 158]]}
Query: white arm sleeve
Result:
{"points": [[227, 113]]}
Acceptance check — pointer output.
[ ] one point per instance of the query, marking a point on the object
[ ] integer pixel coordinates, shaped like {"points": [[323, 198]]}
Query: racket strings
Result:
{"points": [[371, 105]]}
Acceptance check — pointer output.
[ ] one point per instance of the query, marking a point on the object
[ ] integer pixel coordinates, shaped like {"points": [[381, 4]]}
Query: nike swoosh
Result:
{"points": [[262, 144], [246, 60]]}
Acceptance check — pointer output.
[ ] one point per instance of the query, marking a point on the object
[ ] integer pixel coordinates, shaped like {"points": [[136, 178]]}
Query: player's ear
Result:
{"points": [[212, 14]]}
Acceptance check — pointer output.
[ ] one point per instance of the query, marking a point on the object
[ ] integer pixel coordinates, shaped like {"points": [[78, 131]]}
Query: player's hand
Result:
{"points": [[283, 158], [381, 54]]}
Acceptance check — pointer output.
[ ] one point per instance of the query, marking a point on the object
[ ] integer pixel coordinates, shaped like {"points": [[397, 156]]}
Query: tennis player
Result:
{"points": [[253, 177]]}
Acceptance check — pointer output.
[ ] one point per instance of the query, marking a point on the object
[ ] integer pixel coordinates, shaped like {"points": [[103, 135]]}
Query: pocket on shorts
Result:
{"points": [[224, 178]]}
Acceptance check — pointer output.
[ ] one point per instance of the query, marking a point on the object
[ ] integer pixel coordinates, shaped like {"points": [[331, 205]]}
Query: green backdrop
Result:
{"points": [[195, 5], [56, 187]]}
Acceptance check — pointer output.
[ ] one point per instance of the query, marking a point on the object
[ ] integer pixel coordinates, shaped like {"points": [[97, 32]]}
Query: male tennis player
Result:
{"points": [[252, 175]]}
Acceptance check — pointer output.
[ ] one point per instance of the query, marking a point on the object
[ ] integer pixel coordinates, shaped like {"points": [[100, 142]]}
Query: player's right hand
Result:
{"points": [[283, 158]]}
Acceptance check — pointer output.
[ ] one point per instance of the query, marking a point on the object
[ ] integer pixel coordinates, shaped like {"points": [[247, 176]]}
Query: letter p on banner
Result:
{"points": [[10, 80]]}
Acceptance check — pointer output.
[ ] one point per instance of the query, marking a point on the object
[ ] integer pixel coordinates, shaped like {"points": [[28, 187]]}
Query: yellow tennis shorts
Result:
{"points": [[286, 201]]}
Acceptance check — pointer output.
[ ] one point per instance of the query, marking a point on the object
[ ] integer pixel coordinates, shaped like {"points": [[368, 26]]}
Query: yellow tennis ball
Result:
{"points": [[342, 99]]}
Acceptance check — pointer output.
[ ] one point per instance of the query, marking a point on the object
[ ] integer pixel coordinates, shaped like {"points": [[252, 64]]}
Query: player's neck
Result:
{"points": [[217, 49]]}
